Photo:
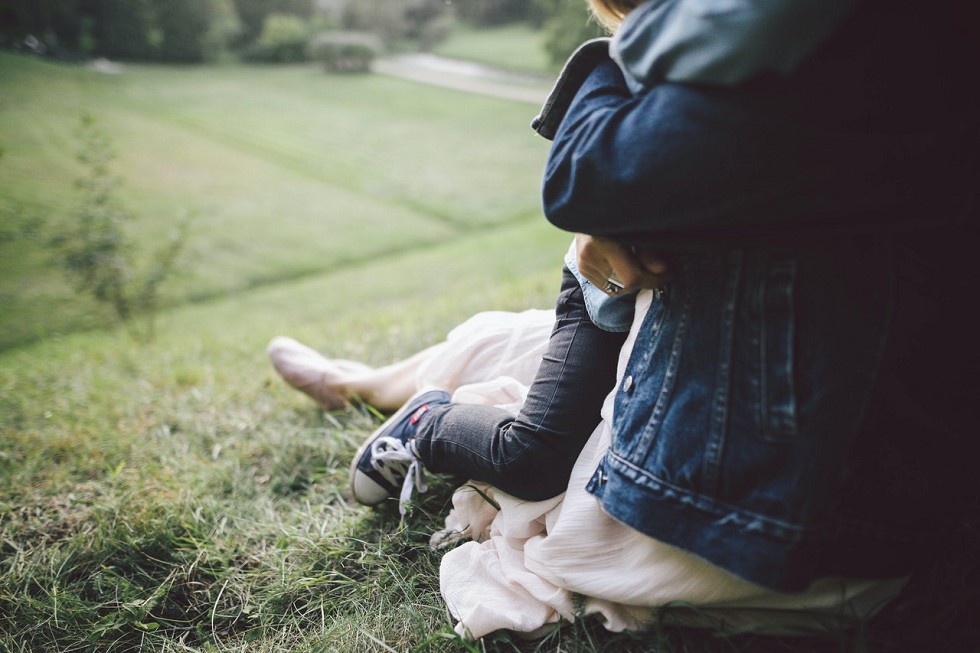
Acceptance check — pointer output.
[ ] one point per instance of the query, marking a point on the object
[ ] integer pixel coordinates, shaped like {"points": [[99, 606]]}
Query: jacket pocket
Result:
{"points": [[778, 389]]}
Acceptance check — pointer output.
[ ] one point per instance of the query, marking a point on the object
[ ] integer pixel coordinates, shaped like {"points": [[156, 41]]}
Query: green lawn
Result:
{"points": [[514, 47], [284, 172], [176, 496]]}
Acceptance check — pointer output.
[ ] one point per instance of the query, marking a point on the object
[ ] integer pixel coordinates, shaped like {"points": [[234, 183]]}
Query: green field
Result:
{"points": [[285, 173], [175, 495], [364, 215], [516, 47]]}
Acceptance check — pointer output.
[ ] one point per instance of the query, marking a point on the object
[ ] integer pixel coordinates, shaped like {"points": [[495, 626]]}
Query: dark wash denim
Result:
{"points": [[530, 456], [800, 403], [846, 145], [733, 424], [793, 415]]}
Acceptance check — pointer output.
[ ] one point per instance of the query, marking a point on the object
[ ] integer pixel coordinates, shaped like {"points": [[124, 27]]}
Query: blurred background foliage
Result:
{"points": [[200, 31]]}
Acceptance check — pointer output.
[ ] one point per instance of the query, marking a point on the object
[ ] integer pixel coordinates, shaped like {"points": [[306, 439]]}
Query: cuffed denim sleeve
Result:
{"points": [[576, 70], [609, 313]]}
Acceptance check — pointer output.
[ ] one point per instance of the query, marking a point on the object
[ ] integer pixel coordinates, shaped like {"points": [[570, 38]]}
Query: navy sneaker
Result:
{"points": [[387, 463]]}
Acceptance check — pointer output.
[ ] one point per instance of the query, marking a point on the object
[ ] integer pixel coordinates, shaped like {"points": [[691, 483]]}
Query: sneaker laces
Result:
{"points": [[398, 464]]}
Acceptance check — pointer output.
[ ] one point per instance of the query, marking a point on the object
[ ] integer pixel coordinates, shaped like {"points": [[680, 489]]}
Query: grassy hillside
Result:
{"points": [[168, 496], [176, 496], [284, 172]]}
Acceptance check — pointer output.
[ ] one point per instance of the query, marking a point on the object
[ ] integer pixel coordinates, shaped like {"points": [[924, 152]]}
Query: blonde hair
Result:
{"points": [[610, 13]]}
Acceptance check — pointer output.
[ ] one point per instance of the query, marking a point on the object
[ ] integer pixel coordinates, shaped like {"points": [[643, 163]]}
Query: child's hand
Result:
{"points": [[613, 267]]}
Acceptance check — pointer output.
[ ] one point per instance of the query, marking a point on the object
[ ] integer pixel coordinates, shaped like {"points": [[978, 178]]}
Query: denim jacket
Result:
{"points": [[771, 416], [692, 41]]}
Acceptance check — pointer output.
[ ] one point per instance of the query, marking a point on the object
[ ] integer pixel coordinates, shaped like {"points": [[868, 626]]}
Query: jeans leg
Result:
{"points": [[531, 456]]}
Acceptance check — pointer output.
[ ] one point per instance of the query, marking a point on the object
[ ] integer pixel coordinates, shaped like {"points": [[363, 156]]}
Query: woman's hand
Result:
{"points": [[604, 262]]}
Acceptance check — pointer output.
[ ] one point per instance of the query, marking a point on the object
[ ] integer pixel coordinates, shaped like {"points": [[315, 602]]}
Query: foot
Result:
{"points": [[309, 372], [387, 463]]}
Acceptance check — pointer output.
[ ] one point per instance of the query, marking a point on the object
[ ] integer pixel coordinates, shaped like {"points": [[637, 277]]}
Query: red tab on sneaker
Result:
{"points": [[417, 415]]}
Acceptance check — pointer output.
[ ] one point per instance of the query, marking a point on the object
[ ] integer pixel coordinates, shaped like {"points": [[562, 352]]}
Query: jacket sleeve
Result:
{"points": [[699, 41], [690, 164]]}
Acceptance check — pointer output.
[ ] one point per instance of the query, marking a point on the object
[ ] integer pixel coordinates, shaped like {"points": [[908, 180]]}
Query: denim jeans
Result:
{"points": [[531, 455]]}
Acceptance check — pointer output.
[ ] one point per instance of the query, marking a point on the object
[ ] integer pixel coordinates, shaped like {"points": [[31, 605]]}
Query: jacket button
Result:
{"points": [[628, 383]]}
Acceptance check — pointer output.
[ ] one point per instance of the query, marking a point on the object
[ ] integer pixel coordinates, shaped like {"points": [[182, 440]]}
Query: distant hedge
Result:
{"points": [[346, 51], [283, 39]]}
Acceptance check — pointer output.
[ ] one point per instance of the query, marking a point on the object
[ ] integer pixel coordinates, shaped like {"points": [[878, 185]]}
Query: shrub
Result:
{"points": [[284, 39], [253, 14], [346, 51], [95, 252]]}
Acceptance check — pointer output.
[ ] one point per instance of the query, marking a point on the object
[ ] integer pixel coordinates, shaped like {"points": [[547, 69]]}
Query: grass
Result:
{"points": [[179, 497], [284, 172], [516, 47], [176, 496]]}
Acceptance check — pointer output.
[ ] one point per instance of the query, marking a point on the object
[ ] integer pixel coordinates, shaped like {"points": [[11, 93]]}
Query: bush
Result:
{"points": [[346, 51], [97, 256], [253, 14], [284, 39]]}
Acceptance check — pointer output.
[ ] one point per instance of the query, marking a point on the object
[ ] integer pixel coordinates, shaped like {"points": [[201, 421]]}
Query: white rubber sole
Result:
{"points": [[363, 488]]}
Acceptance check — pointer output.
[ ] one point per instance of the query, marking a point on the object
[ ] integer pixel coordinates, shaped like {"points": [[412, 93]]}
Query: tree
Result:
{"points": [[59, 24], [183, 27], [494, 12], [125, 29], [224, 28], [424, 22], [570, 24], [283, 39], [253, 13], [168, 30]]}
